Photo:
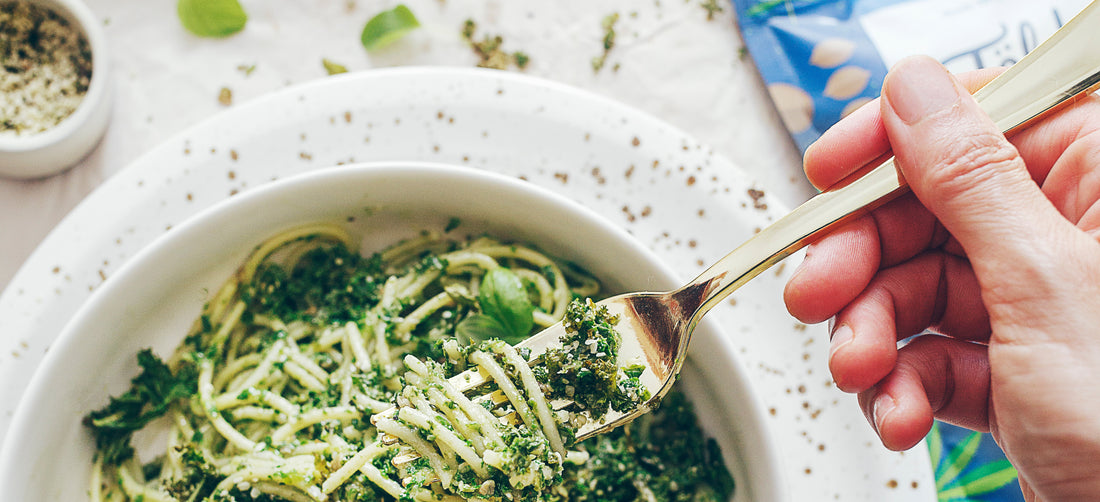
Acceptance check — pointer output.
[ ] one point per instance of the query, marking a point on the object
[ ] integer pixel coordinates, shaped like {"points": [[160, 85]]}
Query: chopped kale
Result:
{"points": [[629, 391], [150, 395], [663, 455], [361, 489], [330, 284], [199, 476], [489, 52], [585, 369]]}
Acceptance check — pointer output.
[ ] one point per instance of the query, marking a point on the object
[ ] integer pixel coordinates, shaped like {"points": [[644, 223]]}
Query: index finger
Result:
{"points": [[860, 138]]}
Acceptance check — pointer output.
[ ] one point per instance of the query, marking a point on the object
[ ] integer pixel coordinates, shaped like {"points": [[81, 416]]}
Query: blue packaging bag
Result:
{"points": [[822, 59]]}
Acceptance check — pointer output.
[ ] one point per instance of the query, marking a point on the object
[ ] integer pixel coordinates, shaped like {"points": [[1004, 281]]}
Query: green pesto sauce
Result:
{"points": [[585, 369], [663, 452]]}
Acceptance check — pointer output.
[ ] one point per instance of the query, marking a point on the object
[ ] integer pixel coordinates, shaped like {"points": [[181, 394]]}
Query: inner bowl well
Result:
{"points": [[154, 299]]}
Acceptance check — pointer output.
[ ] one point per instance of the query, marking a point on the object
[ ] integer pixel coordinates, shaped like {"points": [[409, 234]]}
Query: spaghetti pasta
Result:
{"points": [[271, 394]]}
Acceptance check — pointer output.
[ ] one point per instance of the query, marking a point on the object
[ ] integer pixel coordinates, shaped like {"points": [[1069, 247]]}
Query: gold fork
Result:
{"points": [[656, 327]]}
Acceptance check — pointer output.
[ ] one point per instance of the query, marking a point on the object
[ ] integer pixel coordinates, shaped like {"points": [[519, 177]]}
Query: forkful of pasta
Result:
{"points": [[540, 383]]}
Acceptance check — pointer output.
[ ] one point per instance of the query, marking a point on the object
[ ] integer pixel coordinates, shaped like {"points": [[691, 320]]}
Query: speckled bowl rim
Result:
{"points": [[95, 99]]}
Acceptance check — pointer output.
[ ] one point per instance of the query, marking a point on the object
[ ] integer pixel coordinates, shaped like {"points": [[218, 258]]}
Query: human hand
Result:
{"points": [[996, 249]]}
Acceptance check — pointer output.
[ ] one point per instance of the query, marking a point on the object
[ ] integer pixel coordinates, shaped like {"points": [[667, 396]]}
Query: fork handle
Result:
{"points": [[1064, 67]]}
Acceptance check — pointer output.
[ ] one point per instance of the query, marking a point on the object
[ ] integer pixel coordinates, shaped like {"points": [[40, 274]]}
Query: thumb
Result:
{"points": [[966, 173]]}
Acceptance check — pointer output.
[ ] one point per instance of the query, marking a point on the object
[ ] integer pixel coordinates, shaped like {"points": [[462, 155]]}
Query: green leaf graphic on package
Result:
{"points": [[958, 476]]}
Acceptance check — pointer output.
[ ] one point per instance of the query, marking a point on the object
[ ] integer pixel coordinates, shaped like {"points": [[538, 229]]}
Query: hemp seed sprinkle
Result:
{"points": [[46, 68]]}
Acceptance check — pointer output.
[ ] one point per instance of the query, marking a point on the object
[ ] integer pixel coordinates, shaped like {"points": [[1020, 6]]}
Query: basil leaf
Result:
{"points": [[503, 297], [387, 26], [478, 327], [211, 18]]}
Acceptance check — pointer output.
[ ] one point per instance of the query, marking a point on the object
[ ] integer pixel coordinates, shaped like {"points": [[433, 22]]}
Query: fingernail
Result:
{"points": [[884, 404], [840, 335], [802, 266], [918, 87]]}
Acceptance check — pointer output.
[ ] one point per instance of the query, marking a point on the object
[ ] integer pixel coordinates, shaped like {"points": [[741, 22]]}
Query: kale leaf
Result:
{"points": [[150, 395]]}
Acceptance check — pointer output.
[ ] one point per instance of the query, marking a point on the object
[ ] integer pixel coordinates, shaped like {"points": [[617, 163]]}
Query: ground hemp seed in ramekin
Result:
{"points": [[47, 65]]}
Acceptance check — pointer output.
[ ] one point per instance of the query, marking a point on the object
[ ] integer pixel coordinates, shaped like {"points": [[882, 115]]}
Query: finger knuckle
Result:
{"points": [[967, 162]]}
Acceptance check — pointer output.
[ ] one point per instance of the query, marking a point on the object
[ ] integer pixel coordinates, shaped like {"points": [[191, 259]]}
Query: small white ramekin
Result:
{"points": [[61, 147]]}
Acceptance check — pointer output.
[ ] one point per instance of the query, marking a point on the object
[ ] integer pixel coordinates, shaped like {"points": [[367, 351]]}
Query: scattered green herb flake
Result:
{"points": [[333, 67], [608, 25], [212, 18], [452, 224], [225, 96], [387, 27], [468, 29], [246, 69], [489, 50], [713, 7], [521, 59]]}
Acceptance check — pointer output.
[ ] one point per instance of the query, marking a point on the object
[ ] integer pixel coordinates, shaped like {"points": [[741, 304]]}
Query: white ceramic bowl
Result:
{"points": [[153, 299], [62, 146]]}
